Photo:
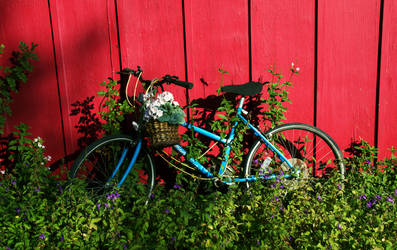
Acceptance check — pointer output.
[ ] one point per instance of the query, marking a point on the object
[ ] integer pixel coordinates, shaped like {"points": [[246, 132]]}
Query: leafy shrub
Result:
{"points": [[358, 212], [89, 125], [112, 110], [12, 77], [330, 213], [38, 211]]}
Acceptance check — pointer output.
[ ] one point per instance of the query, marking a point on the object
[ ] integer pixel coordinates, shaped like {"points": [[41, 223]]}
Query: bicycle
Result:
{"points": [[286, 152]]}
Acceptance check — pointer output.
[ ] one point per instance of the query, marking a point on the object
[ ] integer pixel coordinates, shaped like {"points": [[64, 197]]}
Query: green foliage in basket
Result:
{"points": [[172, 114]]}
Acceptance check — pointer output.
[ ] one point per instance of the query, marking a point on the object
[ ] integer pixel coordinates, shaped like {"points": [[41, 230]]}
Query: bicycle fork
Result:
{"points": [[131, 164]]}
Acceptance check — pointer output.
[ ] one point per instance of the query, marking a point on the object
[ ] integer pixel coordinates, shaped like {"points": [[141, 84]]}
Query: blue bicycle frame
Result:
{"points": [[228, 142]]}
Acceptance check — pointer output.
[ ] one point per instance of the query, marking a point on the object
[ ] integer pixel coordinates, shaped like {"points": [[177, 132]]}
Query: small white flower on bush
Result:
{"points": [[48, 158], [163, 108], [293, 68], [39, 141]]}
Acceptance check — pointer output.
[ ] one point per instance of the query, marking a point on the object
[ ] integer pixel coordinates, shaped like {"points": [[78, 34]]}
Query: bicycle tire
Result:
{"points": [[306, 147], [97, 162]]}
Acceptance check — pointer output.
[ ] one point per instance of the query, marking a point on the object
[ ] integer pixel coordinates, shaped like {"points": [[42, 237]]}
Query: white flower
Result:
{"points": [[2, 171], [175, 103], [154, 111], [48, 158], [147, 97], [157, 103], [297, 69], [292, 64], [165, 97]]}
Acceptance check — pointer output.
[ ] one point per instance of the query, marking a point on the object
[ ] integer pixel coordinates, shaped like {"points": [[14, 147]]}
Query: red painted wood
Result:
{"points": [[37, 103], [387, 132], [216, 37], [151, 36], [347, 68], [282, 33], [86, 50]]}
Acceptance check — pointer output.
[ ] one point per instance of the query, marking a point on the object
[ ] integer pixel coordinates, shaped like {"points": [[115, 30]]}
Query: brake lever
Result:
{"points": [[138, 71], [168, 79], [160, 84]]}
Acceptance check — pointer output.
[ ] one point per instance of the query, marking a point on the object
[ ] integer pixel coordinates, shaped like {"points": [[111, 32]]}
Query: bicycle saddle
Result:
{"points": [[247, 89]]}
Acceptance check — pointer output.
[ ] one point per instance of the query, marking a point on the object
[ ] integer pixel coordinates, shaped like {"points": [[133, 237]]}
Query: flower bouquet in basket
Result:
{"points": [[162, 116]]}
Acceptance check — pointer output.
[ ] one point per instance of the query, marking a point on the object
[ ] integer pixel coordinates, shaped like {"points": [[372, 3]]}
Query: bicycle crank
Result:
{"points": [[302, 173]]}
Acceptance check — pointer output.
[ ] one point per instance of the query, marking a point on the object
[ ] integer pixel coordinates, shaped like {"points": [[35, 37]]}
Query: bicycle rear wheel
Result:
{"points": [[307, 148], [97, 162]]}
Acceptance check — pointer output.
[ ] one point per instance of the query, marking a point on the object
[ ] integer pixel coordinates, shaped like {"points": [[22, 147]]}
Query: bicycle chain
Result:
{"points": [[187, 166]]}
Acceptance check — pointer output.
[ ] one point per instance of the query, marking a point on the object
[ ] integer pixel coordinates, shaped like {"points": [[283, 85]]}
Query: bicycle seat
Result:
{"points": [[247, 89]]}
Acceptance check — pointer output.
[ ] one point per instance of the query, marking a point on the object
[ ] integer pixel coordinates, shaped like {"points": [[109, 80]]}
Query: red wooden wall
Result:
{"points": [[345, 50]]}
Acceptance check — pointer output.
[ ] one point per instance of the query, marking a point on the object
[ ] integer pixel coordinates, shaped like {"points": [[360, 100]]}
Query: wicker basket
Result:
{"points": [[162, 134]]}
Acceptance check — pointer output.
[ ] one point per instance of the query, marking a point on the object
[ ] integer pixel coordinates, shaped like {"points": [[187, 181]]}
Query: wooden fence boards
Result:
{"points": [[151, 36], [348, 33], [86, 53], [388, 88], [282, 33], [216, 37], [37, 103], [334, 43]]}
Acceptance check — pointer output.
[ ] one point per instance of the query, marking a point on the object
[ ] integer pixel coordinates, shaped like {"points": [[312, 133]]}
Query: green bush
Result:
{"points": [[38, 212], [12, 77]]}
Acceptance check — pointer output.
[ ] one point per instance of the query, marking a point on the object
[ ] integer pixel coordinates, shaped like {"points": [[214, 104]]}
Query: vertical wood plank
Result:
{"points": [[347, 69], [86, 51], [387, 133], [282, 33], [216, 37], [151, 36], [37, 103]]}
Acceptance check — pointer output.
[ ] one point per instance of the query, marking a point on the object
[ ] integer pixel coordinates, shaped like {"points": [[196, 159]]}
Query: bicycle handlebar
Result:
{"points": [[165, 79], [174, 79]]}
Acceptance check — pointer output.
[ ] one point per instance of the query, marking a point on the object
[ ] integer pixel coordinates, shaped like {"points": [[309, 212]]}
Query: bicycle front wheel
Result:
{"points": [[308, 149], [97, 164]]}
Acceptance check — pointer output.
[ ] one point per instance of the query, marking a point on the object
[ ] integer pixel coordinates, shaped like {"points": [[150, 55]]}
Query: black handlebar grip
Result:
{"points": [[187, 85]]}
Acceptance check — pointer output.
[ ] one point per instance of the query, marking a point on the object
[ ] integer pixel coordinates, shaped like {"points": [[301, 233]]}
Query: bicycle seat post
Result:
{"points": [[240, 107]]}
